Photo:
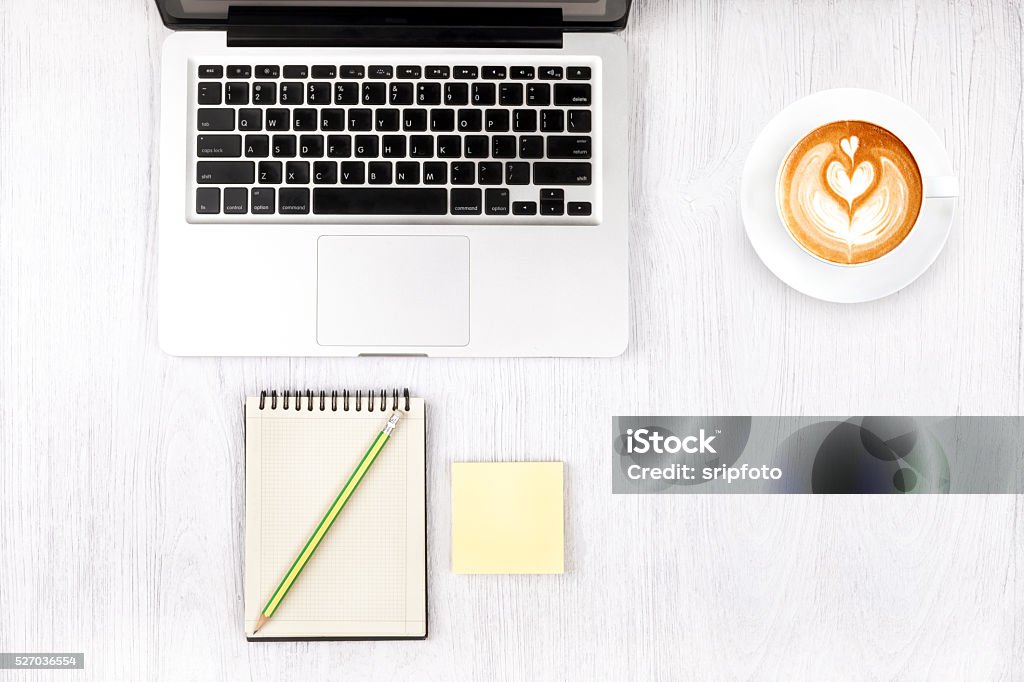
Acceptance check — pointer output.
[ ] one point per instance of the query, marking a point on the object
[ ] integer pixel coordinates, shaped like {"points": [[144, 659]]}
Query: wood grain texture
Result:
{"points": [[121, 468]]}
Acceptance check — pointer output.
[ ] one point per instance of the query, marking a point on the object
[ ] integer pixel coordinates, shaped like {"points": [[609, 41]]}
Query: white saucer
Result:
{"points": [[781, 253]]}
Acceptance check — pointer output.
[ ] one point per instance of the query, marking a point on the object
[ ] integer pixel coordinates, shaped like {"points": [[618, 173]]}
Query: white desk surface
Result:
{"points": [[121, 467]]}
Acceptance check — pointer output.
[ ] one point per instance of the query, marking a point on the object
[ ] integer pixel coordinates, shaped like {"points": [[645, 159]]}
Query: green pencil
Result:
{"points": [[325, 523]]}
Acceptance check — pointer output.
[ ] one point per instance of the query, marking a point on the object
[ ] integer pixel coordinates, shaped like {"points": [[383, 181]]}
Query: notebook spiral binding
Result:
{"points": [[345, 395]]}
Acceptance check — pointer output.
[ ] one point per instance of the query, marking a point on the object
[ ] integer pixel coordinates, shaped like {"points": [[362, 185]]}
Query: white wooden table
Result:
{"points": [[121, 468]]}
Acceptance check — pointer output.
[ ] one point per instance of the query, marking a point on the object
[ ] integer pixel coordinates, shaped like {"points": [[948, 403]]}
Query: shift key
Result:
{"points": [[561, 174], [225, 172]]}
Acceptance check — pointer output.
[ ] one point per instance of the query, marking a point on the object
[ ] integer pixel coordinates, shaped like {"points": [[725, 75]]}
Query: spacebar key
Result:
{"points": [[380, 201]]}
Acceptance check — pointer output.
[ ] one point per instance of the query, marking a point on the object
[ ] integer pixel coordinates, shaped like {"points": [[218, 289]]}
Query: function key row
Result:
{"points": [[387, 72]]}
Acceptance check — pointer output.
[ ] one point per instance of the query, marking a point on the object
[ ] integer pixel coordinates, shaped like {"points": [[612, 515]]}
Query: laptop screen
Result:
{"points": [[573, 11]]}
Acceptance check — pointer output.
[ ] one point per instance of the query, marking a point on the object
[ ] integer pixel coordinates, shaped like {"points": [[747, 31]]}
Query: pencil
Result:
{"points": [[327, 521]]}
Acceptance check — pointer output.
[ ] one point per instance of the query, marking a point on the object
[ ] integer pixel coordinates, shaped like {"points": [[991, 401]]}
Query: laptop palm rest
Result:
{"points": [[393, 291]]}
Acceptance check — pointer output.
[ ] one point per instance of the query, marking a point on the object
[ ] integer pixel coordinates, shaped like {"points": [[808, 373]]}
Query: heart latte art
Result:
{"points": [[850, 192]]}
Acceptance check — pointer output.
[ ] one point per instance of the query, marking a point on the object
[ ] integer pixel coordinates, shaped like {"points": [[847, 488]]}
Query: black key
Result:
{"points": [[572, 94], [270, 173], [438, 72], [381, 71], [477, 146], [257, 146], [367, 146], [264, 93], [346, 93], [496, 121], [236, 200], [360, 120], [283, 146], [435, 173], [494, 72], [351, 71], [332, 119], [401, 94], [503, 147], [568, 147], [409, 72], [538, 94], [250, 119], [466, 72], [466, 201], [324, 71], [211, 71], [456, 94], [392, 146], [578, 73], [579, 121], [225, 172], [428, 94], [442, 120], [318, 93], [449, 146], [219, 146], [304, 119], [265, 71], [236, 93], [208, 200], [353, 172], [524, 208], [262, 200], [414, 120], [579, 208], [375, 93], [407, 173], [463, 173], [311, 146], [531, 147], [551, 73], [295, 71], [379, 173], [470, 120], [293, 201], [524, 120], [561, 173], [552, 121], [387, 120], [339, 146], [496, 202], [510, 94], [490, 173], [239, 71], [484, 94], [421, 146], [279, 119], [552, 202], [215, 119], [296, 172], [523, 73], [379, 201], [517, 173], [209, 93]]}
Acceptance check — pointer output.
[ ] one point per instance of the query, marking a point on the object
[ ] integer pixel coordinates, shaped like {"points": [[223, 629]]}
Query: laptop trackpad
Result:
{"points": [[393, 291]]}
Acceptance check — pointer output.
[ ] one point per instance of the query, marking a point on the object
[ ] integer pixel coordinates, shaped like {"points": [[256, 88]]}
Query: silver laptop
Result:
{"points": [[407, 178]]}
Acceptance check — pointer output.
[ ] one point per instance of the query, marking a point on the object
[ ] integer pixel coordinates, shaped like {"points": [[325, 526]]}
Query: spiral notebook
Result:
{"points": [[367, 579]]}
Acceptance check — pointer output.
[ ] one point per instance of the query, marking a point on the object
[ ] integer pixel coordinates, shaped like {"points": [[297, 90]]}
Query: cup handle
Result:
{"points": [[941, 186]]}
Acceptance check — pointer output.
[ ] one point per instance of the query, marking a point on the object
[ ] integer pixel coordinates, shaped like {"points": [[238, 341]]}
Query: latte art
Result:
{"points": [[850, 192]]}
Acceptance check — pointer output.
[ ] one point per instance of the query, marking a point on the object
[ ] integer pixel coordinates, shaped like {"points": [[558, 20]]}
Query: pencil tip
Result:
{"points": [[260, 623]]}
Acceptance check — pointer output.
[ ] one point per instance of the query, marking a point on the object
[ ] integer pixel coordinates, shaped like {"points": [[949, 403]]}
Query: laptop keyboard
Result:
{"points": [[447, 143]]}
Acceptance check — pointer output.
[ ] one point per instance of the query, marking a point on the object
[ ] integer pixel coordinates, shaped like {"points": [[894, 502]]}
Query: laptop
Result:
{"points": [[376, 178]]}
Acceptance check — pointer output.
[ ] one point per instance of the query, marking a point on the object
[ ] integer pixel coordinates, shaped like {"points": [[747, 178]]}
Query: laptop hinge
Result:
{"points": [[394, 27]]}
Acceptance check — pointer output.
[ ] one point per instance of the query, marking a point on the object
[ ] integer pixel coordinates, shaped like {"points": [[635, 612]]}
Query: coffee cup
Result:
{"points": [[850, 192]]}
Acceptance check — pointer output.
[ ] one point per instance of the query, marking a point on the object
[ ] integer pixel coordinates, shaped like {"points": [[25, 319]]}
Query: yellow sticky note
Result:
{"points": [[507, 517]]}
